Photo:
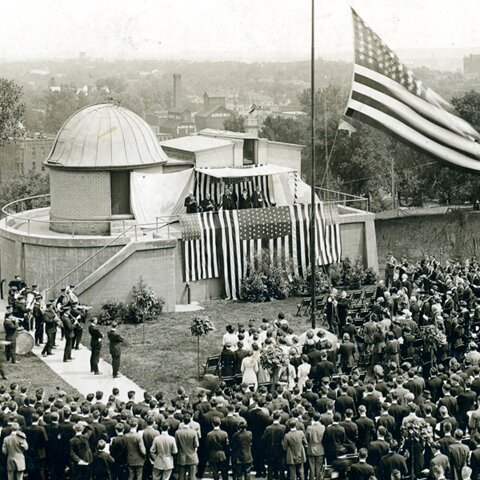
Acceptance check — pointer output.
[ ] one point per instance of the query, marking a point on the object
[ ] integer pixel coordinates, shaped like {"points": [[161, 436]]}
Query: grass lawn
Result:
{"points": [[33, 373], [168, 359]]}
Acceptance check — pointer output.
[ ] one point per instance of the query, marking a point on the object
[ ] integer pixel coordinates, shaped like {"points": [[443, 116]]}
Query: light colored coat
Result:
{"points": [[294, 444], [187, 444], [162, 451], [14, 447], [314, 437]]}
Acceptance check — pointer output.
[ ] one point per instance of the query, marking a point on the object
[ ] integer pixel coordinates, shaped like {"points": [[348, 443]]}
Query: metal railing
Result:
{"points": [[15, 211], [342, 198]]}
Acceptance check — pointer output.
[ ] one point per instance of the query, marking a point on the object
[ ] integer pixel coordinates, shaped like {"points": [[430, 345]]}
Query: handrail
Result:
{"points": [[344, 194]]}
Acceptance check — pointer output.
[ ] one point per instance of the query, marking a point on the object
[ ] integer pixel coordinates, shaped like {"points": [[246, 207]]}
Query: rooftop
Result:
{"points": [[195, 143], [105, 136]]}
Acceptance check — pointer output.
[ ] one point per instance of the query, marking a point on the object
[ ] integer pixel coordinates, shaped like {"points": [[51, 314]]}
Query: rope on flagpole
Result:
{"points": [[329, 157]]}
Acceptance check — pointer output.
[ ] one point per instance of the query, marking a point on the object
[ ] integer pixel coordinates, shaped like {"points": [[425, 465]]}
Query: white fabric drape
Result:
{"points": [[157, 194]]}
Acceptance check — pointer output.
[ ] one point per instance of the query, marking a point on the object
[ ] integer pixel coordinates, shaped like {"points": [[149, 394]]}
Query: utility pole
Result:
{"points": [[312, 216], [327, 163], [392, 172]]}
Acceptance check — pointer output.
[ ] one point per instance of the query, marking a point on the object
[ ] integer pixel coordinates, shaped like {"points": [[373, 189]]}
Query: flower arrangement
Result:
{"points": [[273, 358], [434, 337], [417, 429]]}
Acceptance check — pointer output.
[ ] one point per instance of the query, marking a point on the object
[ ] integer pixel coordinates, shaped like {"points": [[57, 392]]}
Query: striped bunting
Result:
{"points": [[199, 235], [386, 95], [230, 242], [205, 183]]}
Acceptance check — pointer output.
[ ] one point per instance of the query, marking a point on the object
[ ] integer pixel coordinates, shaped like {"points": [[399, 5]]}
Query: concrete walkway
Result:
{"points": [[76, 373]]}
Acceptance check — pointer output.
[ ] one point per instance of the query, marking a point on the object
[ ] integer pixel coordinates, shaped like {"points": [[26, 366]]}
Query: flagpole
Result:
{"points": [[312, 125]]}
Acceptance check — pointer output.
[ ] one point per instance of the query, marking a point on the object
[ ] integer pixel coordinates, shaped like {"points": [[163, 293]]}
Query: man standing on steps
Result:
{"points": [[115, 340], [96, 345], [50, 318]]}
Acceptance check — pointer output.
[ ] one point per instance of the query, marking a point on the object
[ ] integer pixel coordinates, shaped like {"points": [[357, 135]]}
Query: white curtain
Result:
{"points": [[157, 194]]}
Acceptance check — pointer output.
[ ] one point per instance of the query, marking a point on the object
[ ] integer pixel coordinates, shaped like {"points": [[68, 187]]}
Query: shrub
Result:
{"points": [[254, 288], [371, 277], [299, 287], [112, 311], [336, 274], [355, 277], [277, 283], [144, 306]]}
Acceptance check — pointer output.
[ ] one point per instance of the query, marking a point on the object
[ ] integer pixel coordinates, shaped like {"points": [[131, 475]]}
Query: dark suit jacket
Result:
{"points": [[115, 340], [334, 441], [390, 462], [376, 450], [136, 452], [80, 449], [118, 450], [366, 430], [95, 336], [242, 447], [216, 444], [102, 466], [272, 441], [361, 471], [37, 441]]}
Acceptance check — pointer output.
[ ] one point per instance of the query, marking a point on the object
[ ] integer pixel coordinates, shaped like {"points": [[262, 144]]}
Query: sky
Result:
{"points": [[246, 30]]}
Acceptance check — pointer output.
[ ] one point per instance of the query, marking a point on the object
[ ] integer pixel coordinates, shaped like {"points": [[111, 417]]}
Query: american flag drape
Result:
{"points": [[205, 183], [229, 242], [386, 95]]}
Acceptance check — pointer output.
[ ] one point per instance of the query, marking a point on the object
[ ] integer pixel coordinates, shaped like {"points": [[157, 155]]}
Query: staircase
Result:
{"points": [[117, 227]]}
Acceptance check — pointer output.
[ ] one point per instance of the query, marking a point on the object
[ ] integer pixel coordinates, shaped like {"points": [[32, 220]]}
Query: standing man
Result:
{"points": [[136, 451], [115, 340], [272, 445], [96, 345], [242, 452], [68, 333], [216, 445], [11, 325], [294, 444], [162, 451], [80, 453], [38, 320], [37, 440], [257, 198], [315, 450], [14, 448], [50, 318], [187, 444]]}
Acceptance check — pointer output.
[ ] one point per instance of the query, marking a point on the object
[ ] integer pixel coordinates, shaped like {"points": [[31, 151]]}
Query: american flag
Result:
{"points": [[199, 235], [242, 239], [386, 95]]}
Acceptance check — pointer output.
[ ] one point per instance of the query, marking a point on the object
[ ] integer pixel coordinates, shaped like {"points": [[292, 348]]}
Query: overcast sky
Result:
{"points": [[225, 29]]}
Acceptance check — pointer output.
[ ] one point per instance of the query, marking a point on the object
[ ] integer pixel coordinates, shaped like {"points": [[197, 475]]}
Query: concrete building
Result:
{"points": [[24, 154], [178, 123], [90, 164], [88, 236]]}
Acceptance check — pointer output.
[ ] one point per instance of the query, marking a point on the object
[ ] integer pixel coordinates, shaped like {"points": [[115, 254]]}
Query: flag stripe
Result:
{"points": [[421, 106], [412, 136], [402, 112]]}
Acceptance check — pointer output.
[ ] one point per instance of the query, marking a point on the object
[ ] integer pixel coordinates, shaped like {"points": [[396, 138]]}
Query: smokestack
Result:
{"points": [[177, 90]]}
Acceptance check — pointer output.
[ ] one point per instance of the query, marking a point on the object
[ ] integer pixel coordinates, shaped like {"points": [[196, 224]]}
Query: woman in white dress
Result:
{"points": [[303, 371], [263, 375], [249, 370]]}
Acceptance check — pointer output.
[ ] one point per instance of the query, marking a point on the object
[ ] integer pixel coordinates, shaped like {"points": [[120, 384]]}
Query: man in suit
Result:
{"points": [[334, 439], [378, 448], [392, 461], [438, 458], [50, 319], [257, 198], [14, 448], [242, 451], [136, 451], [118, 450], [162, 451], [229, 201], [115, 340], [244, 201], [216, 444], [102, 465], [361, 470], [273, 447], [67, 325], [240, 354], [366, 428], [191, 203], [315, 451], [458, 454], [187, 444], [294, 443], [80, 453], [11, 325], [96, 337], [37, 441], [148, 436]]}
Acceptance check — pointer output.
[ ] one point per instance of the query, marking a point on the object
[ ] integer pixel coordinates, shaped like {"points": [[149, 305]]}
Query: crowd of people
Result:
{"points": [[229, 201], [394, 395]]}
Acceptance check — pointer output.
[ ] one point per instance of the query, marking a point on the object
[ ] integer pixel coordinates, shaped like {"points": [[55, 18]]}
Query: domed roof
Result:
{"points": [[106, 137]]}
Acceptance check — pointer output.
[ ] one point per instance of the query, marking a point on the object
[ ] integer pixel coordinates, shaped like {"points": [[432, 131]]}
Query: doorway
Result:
{"points": [[120, 192]]}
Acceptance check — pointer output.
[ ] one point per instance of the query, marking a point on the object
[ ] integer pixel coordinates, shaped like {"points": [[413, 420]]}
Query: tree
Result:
{"points": [[289, 130], [59, 107], [200, 327], [12, 110], [236, 123], [24, 185], [468, 107]]}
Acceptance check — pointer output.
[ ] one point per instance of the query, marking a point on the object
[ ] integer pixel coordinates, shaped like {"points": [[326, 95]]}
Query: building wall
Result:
{"points": [[284, 156], [23, 155], [43, 260], [219, 157], [80, 195]]}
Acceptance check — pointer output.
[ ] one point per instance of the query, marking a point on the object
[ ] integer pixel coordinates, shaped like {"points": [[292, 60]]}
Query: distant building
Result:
{"points": [[177, 124], [214, 113], [24, 154], [177, 91], [471, 65]]}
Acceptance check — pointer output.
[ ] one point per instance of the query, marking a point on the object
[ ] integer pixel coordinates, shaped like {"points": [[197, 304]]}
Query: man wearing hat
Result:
{"points": [[68, 333], [14, 448], [38, 319], [96, 337], [116, 341], [11, 326], [50, 319]]}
